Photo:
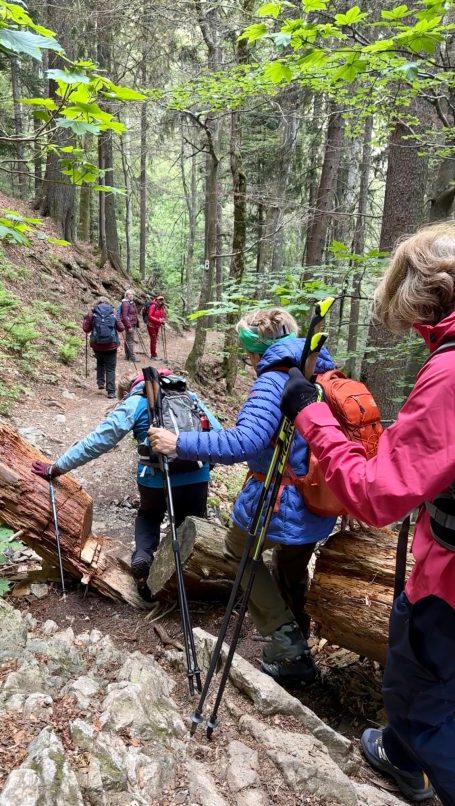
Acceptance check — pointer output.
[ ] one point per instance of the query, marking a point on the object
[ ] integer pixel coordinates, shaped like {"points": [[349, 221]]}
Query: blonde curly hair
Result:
{"points": [[419, 284], [269, 324]]}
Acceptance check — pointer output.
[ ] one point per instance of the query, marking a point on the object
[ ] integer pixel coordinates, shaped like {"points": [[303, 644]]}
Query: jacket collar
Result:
{"points": [[435, 335]]}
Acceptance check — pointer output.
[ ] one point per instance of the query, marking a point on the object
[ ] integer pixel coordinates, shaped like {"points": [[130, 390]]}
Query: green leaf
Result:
{"points": [[352, 15], [123, 93], [5, 533], [254, 32], [109, 189], [282, 40], [68, 77], [269, 10], [314, 5], [277, 72], [77, 126], [47, 103], [14, 235], [4, 586], [396, 13], [27, 42]]}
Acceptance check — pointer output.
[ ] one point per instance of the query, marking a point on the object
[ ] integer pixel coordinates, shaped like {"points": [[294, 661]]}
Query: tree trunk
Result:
{"points": [[207, 574], [351, 593], [143, 175], [358, 247], [125, 151], [237, 266], [21, 165], [402, 213], [25, 505], [58, 194], [316, 239], [85, 201]]}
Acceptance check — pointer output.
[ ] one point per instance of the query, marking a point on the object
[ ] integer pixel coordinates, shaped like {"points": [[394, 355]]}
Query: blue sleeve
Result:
{"points": [[324, 361], [256, 425], [107, 434]]}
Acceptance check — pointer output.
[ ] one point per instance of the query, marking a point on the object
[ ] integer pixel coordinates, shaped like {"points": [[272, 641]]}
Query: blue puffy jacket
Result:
{"points": [[130, 415], [250, 441]]}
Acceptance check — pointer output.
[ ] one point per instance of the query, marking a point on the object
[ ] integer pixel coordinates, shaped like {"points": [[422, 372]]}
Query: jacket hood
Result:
{"points": [[435, 335], [288, 352]]}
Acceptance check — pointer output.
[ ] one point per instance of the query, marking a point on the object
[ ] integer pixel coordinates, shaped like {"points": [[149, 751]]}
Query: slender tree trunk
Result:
{"points": [[143, 176], [319, 224], [125, 151], [238, 245], [191, 206], [85, 202], [403, 212], [21, 165], [358, 246]]}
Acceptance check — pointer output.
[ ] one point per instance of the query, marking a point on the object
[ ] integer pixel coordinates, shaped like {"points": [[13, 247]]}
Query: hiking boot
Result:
{"points": [[111, 395], [414, 786], [287, 658], [140, 567]]}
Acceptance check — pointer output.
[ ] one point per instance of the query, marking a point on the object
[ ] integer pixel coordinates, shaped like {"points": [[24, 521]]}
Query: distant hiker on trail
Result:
{"points": [[277, 601], [104, 325], [414, 467], [129, 317], [189, 479], [156, 318]]}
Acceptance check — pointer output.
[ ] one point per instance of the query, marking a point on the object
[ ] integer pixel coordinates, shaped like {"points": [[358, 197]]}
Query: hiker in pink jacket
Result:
{"points": [[414, 467]]}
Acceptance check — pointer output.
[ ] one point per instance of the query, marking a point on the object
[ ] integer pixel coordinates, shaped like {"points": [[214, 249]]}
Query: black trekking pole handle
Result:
{"points": [[286, 429], [57, 532]]}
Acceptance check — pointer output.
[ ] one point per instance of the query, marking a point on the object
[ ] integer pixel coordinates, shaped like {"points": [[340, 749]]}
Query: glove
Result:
{"points": [[45, 470], [297, 393]]}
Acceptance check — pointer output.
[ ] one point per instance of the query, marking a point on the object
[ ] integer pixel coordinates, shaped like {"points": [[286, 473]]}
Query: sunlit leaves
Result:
{"points": [[396, 13], [314, 5], [352, 16], [278, 72], [269, 10], [254, 32], [27, 42]]}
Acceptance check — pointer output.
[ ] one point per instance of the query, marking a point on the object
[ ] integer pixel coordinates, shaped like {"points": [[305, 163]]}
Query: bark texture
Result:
{"points": [[25, 505]]}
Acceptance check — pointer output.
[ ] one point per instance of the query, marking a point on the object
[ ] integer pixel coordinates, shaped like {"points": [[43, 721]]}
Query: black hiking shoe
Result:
{"points": [[287, 658], [111, 395], [414, 786], [140, 567], [292, 673]]}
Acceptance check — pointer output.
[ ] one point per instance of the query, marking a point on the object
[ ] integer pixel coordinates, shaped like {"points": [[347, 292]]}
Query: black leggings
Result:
{"points": [[189, 499]]}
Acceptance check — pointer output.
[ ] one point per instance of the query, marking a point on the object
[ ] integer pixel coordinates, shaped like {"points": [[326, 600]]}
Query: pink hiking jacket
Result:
{"points": [[415, 462]]}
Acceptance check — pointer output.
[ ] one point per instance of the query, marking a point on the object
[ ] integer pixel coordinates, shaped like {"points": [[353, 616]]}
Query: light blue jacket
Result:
{"points": [[251, 441], [130, 415]]}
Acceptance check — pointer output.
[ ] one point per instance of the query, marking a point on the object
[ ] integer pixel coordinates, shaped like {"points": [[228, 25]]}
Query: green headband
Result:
{"points": [[253, 343]]}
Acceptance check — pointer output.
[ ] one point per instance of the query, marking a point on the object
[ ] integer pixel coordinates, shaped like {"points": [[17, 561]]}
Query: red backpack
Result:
{"points": [[359, 417]]}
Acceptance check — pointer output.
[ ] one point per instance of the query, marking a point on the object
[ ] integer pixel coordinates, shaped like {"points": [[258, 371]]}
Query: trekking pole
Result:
{"points": [[128, 351], [163, 336], [144, 350], [285, 427], [154, 403], [57, 532], [86, 355]]}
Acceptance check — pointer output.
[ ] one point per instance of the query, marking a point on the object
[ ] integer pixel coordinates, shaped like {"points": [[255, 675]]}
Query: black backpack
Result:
{"points": [[145, 311], [104, 328]]}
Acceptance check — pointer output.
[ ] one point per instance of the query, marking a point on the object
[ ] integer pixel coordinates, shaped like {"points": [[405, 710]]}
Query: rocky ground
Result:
{"points": [[91, 724]]}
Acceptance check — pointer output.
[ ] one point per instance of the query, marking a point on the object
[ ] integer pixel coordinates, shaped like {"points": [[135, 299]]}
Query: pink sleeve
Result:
{"points": [[416, 455]]}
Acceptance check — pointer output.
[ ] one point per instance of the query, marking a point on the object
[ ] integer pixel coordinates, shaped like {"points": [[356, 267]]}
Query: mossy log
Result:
{"points": [[25, 505]]}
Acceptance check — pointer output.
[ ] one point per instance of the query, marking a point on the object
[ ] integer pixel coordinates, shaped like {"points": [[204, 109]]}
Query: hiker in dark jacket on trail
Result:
{"points": [[414, 467], [277, 600], [103, 324], [189, 488], [130, 320]]}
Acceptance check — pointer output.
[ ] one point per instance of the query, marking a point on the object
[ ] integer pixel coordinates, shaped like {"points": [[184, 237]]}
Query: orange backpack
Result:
{"points": [[359, 417]]}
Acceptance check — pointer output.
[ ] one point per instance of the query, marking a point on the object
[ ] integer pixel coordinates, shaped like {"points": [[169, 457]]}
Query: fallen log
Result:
{"points": [[207, 574], [95, 560], [350, 595], [351, 592]]}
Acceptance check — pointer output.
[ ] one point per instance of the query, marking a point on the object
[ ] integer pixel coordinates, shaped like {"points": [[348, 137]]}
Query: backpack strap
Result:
{"points": [[443, 348]]}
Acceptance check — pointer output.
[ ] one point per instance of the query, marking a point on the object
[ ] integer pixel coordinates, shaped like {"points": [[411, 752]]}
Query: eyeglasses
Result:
{"points": [[246, 359]]}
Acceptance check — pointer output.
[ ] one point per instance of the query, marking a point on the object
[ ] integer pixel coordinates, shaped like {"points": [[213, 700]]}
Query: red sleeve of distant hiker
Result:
{"points": [[415, 458]]}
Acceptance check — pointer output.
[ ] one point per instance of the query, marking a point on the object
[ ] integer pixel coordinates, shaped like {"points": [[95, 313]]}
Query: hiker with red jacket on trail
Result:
{"points": [[129, 317], [104, 325], [414, 467], [156, 318]]}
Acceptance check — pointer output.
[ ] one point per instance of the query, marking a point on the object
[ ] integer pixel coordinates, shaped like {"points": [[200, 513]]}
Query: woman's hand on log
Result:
{"points": [[162, 441], [45, 470]]}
